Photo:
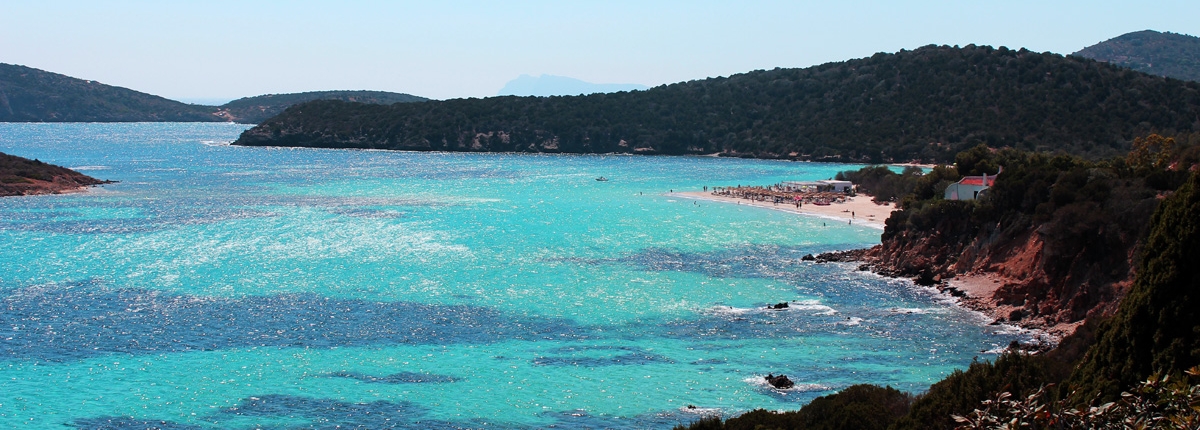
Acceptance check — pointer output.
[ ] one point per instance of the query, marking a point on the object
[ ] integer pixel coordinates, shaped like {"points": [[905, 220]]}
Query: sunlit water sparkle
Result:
{"points": [[227, 287]]}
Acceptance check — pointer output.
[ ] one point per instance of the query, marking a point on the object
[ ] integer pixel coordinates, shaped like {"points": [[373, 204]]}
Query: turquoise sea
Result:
{"points": [[225, 287]]}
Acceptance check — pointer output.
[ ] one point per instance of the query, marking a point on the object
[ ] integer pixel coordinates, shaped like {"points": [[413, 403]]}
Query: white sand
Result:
{"points": [[856, 210]]}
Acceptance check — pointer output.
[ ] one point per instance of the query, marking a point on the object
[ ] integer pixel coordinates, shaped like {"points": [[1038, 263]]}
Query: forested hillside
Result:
{"points": [[1162, 54], [32, 95], [253, 110], [926, 104]]}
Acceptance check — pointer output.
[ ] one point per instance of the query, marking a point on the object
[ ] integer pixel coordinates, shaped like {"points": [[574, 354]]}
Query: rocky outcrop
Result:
{"points": [[1039, 284], [781, 382], [24, 177]]}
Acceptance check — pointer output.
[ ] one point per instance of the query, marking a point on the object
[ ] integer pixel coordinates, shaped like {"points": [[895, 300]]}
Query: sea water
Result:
{"points": [[217, 286]]}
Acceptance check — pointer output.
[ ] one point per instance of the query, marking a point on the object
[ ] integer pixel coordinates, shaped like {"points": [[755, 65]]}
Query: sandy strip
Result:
{"points": [[857, 210], [980, 290]]}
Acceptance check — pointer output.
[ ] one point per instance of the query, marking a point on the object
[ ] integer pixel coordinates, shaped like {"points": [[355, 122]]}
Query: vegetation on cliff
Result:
{"points": [[1157, 328], [860, 407], [1090, 217], [22, 176], [1162, 54], [1062, 227], [927, 104]]}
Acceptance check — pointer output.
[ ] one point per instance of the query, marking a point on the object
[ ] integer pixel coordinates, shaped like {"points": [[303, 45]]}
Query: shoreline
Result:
{"points": [[45, 190], [858, 210], [975, 292]]}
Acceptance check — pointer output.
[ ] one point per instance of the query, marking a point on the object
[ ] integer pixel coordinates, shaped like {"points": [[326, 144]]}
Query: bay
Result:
{"points": [[217, 286]]}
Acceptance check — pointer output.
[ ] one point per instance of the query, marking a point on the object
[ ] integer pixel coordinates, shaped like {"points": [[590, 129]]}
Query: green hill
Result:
{"points": [[925, 104], [1163, 54], [32, 95], [253, 110]]}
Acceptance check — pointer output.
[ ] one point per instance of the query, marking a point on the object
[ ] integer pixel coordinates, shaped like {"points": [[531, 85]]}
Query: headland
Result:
{"points": [[24, 177]]}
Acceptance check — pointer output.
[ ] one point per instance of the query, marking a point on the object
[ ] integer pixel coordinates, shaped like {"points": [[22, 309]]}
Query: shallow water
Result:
{"points": [[227, 287]]}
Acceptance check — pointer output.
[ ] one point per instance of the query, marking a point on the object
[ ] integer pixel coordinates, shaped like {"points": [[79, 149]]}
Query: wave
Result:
{"points": [[852, 321], [793, 306], [761, 381]]}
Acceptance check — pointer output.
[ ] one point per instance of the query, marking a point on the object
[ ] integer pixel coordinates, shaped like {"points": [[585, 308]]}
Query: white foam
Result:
{"points": [[700, 411], [793, 306], [946, 299], [86, 168], [761, 381], [811, 305], [730, 310], [917, 311]]}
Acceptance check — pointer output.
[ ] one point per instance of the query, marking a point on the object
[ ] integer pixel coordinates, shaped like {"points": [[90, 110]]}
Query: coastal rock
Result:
{"points": [[841, 256], [781, 382], [1017, 259]]}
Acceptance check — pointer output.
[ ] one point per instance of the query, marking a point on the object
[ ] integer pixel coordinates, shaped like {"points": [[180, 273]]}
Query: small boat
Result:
{"points": [[602, 179]]}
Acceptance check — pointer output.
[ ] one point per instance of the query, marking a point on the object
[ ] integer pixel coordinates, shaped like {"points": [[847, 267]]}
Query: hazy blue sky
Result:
{"points": [[447, 49]]}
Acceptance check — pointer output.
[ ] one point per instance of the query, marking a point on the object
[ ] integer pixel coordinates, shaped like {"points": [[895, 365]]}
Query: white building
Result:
{"points": [[969, 187]]}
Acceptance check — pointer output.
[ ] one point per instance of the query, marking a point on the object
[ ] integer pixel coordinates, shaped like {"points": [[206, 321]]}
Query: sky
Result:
{"points": [[218, 49]]}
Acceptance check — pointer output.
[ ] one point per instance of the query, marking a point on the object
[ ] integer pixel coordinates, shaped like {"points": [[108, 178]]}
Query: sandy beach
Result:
{"points": [[858, 210]]}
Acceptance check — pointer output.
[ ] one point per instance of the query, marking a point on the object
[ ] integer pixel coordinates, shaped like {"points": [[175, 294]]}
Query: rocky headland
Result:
{"points": [[24, 177], [926, 104], [1054, 242]]}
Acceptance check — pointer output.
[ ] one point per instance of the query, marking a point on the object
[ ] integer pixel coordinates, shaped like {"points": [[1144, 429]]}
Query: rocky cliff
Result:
{"points": [[1052, 243], [1033, 283]]}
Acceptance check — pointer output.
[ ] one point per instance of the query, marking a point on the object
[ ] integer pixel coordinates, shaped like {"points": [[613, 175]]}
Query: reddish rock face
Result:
{"points": [[1039, 286]]}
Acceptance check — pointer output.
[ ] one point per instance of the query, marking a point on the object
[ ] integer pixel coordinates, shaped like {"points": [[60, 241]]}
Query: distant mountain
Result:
{"points": [[253, 110], [1163, 54], [22, 177], [550, 85], [32, 95], [927, 104]]}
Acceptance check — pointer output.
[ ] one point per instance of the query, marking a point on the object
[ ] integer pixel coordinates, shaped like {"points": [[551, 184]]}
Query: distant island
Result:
{"points": [[927, 104], [550, 85], [23, 177], [32, 95], [1165, 54]]}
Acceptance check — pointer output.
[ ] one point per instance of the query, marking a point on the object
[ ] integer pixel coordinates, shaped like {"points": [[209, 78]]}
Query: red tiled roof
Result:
{"points": [[978, 181]]}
